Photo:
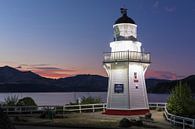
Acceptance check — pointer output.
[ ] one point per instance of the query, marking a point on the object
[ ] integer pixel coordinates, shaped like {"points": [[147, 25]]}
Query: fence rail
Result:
{"points": [[30, 110], [61, 109], [184, 121]]}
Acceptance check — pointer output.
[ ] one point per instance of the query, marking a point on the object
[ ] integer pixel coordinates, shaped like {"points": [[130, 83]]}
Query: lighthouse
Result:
{"points": [[126, 65]]}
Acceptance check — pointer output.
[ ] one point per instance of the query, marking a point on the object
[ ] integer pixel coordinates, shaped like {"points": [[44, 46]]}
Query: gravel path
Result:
{"points": [[94, 119], [40, 127]]}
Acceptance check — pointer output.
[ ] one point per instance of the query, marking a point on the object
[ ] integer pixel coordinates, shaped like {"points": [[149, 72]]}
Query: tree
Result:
{"points": [[11, 100], [90, 100], [26, 101], [181, 101]]}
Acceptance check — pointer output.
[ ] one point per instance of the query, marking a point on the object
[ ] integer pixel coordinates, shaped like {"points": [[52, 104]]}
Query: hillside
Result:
{"points": [[84, 83], [13, 80], [165, 87]]}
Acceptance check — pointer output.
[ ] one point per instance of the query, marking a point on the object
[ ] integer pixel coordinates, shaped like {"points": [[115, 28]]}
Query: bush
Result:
{"points": [[11, 100], [5, 122], [180, 101], [26, 101], [90, 100], [124, 123]]}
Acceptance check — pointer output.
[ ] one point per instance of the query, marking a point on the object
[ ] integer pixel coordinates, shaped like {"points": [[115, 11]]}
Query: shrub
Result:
{"points": [[5, 122], [124, 123], [181, 102], [26, 101], [11, 100], [90, 100]]}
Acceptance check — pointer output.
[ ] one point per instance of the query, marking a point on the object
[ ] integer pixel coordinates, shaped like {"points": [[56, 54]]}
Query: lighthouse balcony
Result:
{"points": [[126, 56]]}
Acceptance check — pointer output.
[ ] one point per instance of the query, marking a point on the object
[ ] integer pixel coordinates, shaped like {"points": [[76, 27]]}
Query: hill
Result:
{"points": [[165, 87], [13, 80], [152, 83], [83, 83]]}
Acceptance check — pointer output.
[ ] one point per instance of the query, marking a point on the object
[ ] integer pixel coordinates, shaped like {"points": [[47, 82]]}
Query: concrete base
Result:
{"points": [[126, 112]]}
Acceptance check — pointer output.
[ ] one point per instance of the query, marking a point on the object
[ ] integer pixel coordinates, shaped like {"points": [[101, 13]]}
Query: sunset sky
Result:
{"points": [[60, 38]]}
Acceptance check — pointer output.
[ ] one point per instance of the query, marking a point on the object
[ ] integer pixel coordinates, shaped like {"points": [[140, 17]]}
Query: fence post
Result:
{"points": [[193, 123], [32, 109], [7, 110], [93, 108], [19, 110], [104, 107], [183, 123], [80, 108], [63, 111]]}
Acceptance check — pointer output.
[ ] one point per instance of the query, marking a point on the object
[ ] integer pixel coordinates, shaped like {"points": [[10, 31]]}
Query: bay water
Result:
{"points": [[61, 98]]}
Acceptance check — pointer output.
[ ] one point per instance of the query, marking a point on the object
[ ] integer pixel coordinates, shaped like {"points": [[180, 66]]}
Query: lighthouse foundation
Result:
{"points": [[126, 112]]}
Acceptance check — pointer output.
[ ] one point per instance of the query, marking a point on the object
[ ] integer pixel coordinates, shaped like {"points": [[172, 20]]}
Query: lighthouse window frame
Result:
{"points": [[119, 88], [135, 77]]}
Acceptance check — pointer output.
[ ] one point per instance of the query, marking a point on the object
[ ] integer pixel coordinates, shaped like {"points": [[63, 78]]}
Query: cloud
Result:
{"points": [[170, 9], [34, 65], [47, 70], [30, 65], [54, 69], [156, 4], [161, 75], [19, 67], [53, 74]]}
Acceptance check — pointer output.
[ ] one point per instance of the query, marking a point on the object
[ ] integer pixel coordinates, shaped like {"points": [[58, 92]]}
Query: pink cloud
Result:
{"points": [[48, 71], [161, 75]]}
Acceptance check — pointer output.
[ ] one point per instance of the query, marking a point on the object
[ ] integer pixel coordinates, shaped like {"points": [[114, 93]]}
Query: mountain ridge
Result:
{"points": [[13, 80]]}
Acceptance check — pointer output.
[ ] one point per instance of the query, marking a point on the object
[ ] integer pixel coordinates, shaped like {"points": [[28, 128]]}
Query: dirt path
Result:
{"points": [[40, 127], [97, 120]]}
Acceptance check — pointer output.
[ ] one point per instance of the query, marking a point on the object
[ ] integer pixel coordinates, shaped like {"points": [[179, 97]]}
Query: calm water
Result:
{"points": [[56, 98]]}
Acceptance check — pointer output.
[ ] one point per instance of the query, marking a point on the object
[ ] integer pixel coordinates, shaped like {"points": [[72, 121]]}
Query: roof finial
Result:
{"points": [[123, 11]]}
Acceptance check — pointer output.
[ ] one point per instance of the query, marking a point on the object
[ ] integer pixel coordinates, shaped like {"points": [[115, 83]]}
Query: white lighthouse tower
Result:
{"points": [[126, 65]]}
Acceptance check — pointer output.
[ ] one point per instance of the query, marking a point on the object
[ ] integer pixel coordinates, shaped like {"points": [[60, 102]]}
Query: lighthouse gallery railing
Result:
{"points": [[131, 56]]}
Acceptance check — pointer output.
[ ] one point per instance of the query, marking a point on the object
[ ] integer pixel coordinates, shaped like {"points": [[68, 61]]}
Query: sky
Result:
{"points": [[61, 38]]}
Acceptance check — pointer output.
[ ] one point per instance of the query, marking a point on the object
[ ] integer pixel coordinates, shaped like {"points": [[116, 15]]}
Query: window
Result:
{"points": [[135, 77], [118, 88]]}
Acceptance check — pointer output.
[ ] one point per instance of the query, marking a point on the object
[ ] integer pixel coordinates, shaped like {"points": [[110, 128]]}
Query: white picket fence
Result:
{"points": [[184, 121], [32, 110], [63, 108]]}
